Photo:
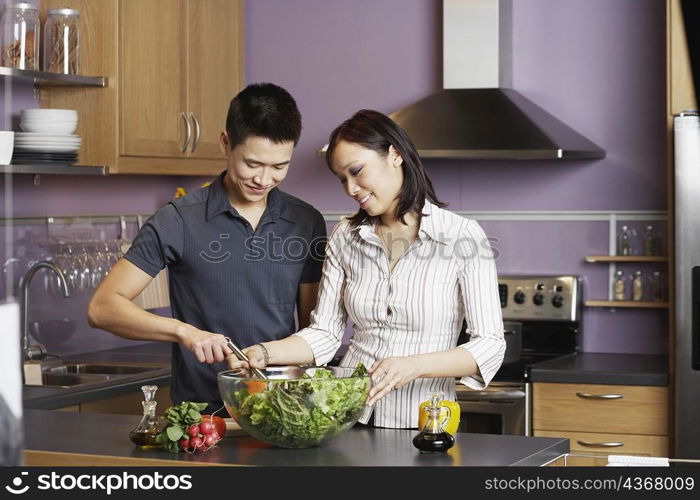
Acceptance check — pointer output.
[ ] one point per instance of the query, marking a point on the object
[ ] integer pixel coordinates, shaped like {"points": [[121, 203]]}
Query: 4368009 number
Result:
{"points": [[659, 483]]}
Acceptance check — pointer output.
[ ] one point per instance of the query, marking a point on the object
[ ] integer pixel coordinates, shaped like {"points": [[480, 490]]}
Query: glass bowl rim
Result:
{"points": [[230, 374]]}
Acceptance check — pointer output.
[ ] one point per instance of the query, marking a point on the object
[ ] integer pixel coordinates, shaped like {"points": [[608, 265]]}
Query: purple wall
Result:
{"points": [[597, 65], [592, 63]]}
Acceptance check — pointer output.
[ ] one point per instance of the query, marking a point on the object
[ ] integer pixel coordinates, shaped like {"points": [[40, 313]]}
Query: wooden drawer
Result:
{"points": [[632, 444], [639, 410]]}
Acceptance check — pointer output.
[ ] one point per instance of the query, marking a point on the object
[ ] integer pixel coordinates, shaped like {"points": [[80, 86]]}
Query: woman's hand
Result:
{"points": [[392, 373], [256, 359]]}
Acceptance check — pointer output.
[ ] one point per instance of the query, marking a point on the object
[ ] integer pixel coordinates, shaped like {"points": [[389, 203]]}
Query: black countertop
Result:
{"points": [[108, 435], [603, 368], [46, 398]]}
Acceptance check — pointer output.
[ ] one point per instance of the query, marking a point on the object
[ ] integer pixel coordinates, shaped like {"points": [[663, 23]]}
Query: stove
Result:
{"points": [[541, 318], [548, 309]]}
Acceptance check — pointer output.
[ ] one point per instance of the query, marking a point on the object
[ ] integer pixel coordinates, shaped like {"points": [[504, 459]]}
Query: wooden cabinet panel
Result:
{"points": [[638, 420], [632, 444], [215, 75], [162, 59], [98, 113], [641, 410], [152, 77], [681, 93]]}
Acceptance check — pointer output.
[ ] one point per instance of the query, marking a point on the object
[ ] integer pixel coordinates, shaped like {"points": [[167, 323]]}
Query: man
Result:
{"points": [[240, 253]]}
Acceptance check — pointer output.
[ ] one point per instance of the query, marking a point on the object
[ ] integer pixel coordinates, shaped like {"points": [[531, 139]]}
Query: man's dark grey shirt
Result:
{"points": [[226, 278]]}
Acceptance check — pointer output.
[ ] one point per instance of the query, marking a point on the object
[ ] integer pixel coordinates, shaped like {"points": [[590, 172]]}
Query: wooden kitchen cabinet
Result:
{"points": [[681, 93], [153, 87], [215, 67], [172, 68], [633, 420]]}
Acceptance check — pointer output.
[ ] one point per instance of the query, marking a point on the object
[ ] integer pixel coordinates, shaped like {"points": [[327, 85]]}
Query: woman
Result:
{"points": [[406, 272]]}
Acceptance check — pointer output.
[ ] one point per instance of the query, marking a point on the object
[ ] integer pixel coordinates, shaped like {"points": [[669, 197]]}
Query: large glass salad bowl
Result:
{"points": [[298, 406]]}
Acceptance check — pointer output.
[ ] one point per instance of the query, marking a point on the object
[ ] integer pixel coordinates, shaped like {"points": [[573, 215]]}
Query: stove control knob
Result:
{"points": [[519, 297], [558, 301], [538, 299]]}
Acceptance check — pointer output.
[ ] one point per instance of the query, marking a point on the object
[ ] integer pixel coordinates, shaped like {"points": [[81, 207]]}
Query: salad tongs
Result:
{"points": [[241, 355]]}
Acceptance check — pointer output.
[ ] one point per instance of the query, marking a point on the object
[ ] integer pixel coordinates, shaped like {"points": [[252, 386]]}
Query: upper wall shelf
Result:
{"points": [[54, 169], [47, 79], [626, 258]]}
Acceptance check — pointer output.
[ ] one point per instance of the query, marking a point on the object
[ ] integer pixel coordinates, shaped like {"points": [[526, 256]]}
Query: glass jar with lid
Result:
{"points": [[619, 286], [624, 243], [20, 36], [62, 41], [638, 287]]}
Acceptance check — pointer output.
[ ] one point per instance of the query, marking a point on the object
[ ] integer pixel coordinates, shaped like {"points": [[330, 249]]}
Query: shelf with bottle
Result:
{"points": [[20, 35], [628, 245], [637, 290]]}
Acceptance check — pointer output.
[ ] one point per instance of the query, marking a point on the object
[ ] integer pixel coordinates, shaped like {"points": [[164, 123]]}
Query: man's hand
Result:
{"points": [[206, 346]]}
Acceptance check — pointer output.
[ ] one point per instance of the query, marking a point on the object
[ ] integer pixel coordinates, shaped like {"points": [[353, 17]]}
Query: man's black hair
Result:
{"points": [[263, 110]]}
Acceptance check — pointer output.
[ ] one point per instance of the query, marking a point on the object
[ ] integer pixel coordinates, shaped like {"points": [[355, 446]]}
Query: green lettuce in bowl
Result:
{"points": [[298, 407]]}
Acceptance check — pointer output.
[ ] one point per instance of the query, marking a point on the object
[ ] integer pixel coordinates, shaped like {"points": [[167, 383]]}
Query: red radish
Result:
{"points": [[196, 442], [209, 440], [215, 435], [184, 443], [193, 430], [206, 427]]}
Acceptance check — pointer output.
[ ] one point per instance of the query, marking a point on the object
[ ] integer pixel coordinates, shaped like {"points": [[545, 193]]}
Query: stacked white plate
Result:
{"points": [[47, 137], [49, 121], [47, 143]]}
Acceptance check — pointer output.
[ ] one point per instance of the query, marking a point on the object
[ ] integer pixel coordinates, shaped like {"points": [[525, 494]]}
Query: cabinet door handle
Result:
{"points": [[609, 444], [188, 132], [584, 395], [196, 131]]}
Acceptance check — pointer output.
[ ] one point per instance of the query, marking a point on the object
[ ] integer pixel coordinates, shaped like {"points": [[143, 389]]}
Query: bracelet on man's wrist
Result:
{"points": [[266, 355]]}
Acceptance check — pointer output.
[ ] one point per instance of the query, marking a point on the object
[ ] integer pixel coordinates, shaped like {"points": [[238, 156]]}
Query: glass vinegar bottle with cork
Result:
{"points": [[434, 438], [145, 433]]}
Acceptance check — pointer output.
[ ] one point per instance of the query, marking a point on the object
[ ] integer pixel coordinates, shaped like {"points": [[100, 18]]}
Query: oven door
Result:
{"points": [[498, 409]]}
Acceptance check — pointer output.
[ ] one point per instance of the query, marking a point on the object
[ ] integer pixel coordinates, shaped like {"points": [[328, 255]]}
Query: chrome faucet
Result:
{"points": [[37, 351]]}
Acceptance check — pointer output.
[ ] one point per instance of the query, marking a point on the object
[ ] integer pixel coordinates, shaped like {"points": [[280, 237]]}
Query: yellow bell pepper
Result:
{"points": [[449, 424]]}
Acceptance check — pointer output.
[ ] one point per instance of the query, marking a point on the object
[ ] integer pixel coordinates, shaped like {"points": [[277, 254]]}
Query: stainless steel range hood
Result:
{"points": [[477, 115]]}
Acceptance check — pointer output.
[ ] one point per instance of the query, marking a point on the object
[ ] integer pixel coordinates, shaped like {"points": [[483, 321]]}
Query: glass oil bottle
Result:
{"points": [[144, 435], [433, 438]]}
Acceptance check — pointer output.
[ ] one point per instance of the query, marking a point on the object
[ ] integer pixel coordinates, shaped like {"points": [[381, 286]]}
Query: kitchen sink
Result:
{"points": [[76, 374], [70, 379], [101, 368]]}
